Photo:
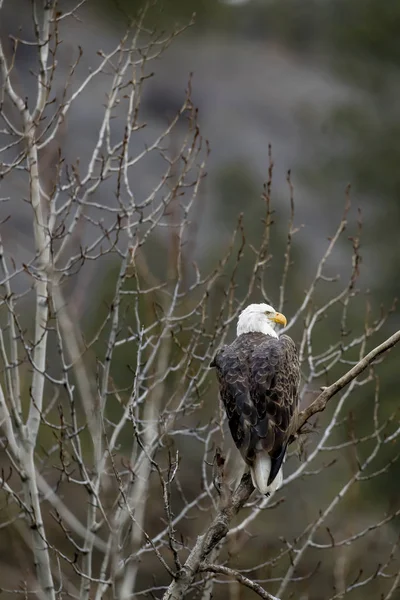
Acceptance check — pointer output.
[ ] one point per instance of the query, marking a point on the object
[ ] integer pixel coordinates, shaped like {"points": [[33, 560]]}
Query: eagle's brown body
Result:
{"points": [[259, 379]]}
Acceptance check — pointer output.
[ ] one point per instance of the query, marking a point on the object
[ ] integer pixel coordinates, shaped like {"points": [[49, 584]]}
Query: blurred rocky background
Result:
{"points": [[319, 82]]}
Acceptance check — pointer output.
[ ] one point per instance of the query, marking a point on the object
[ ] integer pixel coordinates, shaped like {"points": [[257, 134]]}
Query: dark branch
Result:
{"points": [[256, 587]]}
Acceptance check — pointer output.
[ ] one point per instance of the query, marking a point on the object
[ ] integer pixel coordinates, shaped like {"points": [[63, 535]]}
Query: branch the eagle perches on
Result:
{"points": [[197, 559]]}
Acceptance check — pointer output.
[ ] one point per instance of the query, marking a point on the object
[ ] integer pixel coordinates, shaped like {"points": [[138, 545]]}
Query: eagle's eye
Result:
{"points": [[268, 313]]}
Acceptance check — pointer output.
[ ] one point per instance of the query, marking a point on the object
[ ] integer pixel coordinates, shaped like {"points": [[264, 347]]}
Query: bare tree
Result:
{"points": [[113, 474]]}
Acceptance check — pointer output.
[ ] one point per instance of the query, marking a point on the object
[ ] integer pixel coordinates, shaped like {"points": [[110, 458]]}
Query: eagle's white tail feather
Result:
{"points": [[260, 474], [260, 471]]}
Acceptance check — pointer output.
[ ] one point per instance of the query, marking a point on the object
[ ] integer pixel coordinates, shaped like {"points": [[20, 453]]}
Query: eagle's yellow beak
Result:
{"points": [[279, 318]]}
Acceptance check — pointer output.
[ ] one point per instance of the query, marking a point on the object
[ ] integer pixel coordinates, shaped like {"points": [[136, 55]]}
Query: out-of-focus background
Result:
{"points": [[316, 80], [319, 81]]}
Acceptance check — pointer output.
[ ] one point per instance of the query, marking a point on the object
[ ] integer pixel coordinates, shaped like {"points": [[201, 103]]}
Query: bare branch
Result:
{"points": [[256, 587], [320, 403]]}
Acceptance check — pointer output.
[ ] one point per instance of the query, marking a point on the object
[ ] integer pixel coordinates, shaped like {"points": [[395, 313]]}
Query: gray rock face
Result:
{"points": [[249, 95]]}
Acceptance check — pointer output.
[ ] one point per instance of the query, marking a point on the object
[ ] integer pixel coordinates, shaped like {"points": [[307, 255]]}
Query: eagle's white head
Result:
{"points": [[260, 318]]}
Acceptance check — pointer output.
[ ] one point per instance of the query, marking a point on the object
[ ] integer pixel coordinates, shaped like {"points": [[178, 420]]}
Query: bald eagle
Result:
{"points": [[259, 376]]}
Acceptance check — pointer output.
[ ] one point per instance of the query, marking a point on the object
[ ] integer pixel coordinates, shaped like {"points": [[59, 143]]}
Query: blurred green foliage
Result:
{"points": [[167, 13], [365, 32]]}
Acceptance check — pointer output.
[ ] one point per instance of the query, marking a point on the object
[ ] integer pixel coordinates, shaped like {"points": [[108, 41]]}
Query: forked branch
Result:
{"points": [[256, 587]]}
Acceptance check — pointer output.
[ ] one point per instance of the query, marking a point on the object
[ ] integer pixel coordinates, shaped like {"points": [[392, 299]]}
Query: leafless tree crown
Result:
{"points": [[114, 475]]}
